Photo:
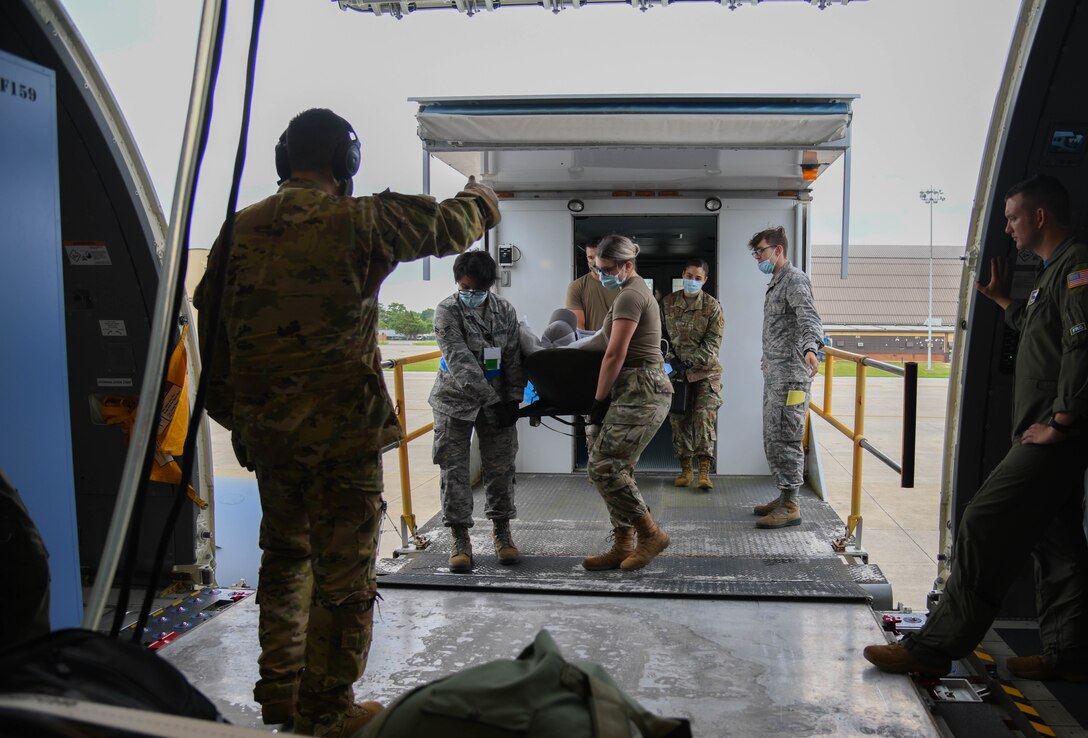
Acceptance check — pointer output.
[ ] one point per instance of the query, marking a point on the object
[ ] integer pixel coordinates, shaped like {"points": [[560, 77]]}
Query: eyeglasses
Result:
{"points": [[609, 271], [471, 293], [757, 253]]}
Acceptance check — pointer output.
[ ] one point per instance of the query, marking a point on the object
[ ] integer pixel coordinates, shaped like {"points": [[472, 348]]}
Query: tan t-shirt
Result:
{"points": [[591, 297], [636, 302]]}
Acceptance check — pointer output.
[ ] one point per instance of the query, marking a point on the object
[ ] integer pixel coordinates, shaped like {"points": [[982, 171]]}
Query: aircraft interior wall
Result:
{"points": [[109, 282], [1047, 133]]}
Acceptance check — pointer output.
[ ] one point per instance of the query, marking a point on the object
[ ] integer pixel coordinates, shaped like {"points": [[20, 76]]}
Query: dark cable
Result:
{"points": [[132, 552], [188, 454]]}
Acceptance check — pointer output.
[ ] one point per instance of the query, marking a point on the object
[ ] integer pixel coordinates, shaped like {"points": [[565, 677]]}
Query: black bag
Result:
{"points": [[538, 695], [85, 665], [681, 398], [24, 606]]}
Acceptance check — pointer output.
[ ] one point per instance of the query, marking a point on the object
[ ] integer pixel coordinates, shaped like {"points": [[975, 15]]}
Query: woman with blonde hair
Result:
{"points": [[631, 402]]}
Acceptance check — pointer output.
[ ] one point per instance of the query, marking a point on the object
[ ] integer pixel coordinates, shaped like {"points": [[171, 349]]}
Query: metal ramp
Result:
{"points": [[716, 551]]}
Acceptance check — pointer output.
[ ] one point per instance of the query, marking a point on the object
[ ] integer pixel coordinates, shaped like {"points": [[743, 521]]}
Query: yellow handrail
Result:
{"points": [[408, 531], [857, 433]]}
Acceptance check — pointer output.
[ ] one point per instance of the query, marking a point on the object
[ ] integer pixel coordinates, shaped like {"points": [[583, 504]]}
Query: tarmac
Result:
{"points": [[900, 526]]}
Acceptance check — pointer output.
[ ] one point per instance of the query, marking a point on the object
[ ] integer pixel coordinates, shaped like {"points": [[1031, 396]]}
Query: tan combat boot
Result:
{"points": [[704, 473], [356, 717], [460, 550], [651, 541], [768, 507], [783, 516], [623, 545], [504, 543], [686, 473]]}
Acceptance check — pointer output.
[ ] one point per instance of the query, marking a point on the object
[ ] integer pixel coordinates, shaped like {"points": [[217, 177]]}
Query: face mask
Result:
{"points": [[472, 298], [767, 267], [692, 286], [611, 281]]}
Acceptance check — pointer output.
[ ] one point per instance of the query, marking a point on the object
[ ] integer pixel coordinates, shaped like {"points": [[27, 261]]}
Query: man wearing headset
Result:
{"points": [[296, 377]]}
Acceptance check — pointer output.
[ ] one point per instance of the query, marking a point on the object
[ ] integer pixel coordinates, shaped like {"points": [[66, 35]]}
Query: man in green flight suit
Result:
{"points": [[1031, 502], [296, 377]]}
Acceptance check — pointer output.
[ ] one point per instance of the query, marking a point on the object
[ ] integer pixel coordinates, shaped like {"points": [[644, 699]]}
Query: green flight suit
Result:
{"points": [[1031, 502]]}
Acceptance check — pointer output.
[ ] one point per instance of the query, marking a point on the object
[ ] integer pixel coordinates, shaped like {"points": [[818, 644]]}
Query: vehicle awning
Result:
{"points": [[699, 142]]}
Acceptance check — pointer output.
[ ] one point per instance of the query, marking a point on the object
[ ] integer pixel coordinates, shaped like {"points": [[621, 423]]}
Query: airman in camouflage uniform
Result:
{"points": [[481, 389], [694, 322], [792, 337], [632, 399], [296, 376]]}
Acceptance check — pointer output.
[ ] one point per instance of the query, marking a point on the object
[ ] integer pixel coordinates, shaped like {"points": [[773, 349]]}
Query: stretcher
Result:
{"points": [[565, 380]]}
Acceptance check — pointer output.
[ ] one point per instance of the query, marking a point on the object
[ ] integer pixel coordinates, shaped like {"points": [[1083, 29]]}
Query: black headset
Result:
{"points": [[345, 159]]}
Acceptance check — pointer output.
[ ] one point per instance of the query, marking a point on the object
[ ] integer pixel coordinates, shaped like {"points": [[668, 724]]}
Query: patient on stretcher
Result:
{"points": [[565, 379]]}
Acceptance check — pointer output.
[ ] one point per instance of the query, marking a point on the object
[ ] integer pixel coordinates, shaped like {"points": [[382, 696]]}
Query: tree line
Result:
{"points": [[404, 322]]}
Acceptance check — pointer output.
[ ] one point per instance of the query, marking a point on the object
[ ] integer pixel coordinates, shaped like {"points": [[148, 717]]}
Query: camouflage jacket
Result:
{"points": [[695, 332], [296, 372], [461, 387], [790, 325]]}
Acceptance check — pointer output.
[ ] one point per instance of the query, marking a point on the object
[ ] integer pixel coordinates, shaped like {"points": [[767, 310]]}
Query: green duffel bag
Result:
{"points": [[537, 695]]}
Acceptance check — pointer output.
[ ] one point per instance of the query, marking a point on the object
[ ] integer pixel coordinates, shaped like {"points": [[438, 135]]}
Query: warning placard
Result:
{"points": [[87, 253], [113, 327]]}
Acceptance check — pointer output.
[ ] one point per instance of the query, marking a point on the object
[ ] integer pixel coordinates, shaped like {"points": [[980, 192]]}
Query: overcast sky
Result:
{"points": [[926, 70]]}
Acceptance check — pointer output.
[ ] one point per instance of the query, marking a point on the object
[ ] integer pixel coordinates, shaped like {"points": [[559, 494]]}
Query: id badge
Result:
{"points": [[492, 361]]}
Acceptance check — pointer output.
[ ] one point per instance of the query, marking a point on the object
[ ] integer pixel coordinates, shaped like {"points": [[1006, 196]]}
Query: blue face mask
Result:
{"points": [[472, 298], [767, 267], [611, 281], [692, 286]]}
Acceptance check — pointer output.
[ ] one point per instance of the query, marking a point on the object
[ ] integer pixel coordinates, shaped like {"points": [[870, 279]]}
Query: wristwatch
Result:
{"points": [[1060, 427]]}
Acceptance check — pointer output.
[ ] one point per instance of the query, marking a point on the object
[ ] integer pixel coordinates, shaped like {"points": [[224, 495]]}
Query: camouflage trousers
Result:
{"points": [[640, 402], [319, 540], [498, 452], [695, 433], [785, 407]]}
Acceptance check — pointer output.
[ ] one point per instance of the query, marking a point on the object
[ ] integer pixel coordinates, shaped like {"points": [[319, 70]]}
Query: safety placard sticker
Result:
{"points": [[112, 328], [87, 253], [114, 382]]}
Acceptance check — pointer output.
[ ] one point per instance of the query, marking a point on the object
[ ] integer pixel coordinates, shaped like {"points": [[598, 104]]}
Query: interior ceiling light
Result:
{"points": [[575, 206], [712, 204]]}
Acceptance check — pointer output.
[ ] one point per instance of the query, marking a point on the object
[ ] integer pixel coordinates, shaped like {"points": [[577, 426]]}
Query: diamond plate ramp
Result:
{"points": [[716, 551]]}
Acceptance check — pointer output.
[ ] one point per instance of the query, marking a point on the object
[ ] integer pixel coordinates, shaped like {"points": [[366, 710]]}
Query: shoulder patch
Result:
{"points": [[1078, 278], [1078, 328], [1034, 296]]}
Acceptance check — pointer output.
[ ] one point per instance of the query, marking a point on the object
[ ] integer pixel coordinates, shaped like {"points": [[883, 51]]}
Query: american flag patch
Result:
{"points": [[1078, 278]]}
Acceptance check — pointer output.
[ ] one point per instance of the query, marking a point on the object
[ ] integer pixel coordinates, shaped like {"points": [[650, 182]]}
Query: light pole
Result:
{"points": [[930, 197]]}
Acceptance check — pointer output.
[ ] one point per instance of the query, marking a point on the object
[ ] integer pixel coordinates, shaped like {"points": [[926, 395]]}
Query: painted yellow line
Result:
{"points": [[984, 656], [1012, 691]]}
